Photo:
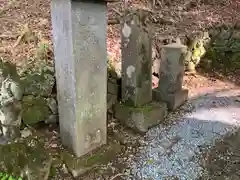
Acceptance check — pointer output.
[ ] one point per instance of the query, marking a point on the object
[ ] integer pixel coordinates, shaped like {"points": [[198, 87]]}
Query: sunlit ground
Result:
{"points": [[174, 150]]}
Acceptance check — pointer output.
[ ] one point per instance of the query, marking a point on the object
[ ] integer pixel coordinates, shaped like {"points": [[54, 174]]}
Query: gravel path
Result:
{"points": [[172, 151]]}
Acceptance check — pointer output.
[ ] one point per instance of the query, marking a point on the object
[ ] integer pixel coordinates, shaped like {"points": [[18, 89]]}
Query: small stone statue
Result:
{"points": [[10, 104]]}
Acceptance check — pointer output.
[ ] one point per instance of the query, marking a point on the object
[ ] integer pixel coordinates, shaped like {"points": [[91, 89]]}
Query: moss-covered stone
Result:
{"points": [[38, 79], [141, 118], [35, 109], [25, 159], [224, 50], [78, 166], [39, 84]]}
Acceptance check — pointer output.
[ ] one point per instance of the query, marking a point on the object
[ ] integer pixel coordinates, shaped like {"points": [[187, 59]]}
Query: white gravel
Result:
{"points": [[172, 151]]}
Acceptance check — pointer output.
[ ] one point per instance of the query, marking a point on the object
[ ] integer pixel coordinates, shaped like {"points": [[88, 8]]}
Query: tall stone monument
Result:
{"points": [[79, 38], [137, 110]]}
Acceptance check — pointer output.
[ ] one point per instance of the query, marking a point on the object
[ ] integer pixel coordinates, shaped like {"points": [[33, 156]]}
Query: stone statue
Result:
{"points": [[10, 102], [196, 50]]}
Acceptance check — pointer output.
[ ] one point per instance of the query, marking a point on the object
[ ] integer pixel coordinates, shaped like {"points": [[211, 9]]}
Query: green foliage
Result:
{"points": [[224, 51], [5, 176]]}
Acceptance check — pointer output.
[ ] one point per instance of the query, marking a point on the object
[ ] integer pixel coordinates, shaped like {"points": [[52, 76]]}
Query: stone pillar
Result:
{"points": [[136, 61], [79, 37], [137, 110], [171, 76]]}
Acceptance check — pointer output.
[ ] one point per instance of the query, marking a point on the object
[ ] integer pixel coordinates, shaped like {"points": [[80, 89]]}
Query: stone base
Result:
{"points": [[79, 166], [142, 118], [173, 100]]}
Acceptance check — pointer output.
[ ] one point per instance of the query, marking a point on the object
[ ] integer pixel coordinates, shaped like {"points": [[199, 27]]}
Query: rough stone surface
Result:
{"points": [[136, 61], [172, 68], [224, 49], [142, 118], [38, 80], [11, 94], [173, 100], [174, 150], [171, 75], [39, 97], [35, 109], [79, 36]]}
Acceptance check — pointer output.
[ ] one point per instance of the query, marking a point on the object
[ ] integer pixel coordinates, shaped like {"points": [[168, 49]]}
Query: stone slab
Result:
{"points": [[79, 166], [136, 61], [173, 100], [142, 118], [79, 38]]}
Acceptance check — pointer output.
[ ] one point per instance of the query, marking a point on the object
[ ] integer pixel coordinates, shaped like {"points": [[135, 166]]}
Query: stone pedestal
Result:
{"points": [[79, 37], [173, 100], [142, 118], [171, 76], [137, 110]]}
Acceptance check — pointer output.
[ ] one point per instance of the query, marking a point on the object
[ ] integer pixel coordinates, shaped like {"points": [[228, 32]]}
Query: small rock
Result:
{"points": [[52, 119], [54, 145], [64, 168], [52, 104], [3, 140], [26, 133]]}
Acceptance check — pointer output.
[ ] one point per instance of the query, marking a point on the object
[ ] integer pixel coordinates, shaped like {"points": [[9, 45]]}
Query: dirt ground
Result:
{"points": [[15, 14]]}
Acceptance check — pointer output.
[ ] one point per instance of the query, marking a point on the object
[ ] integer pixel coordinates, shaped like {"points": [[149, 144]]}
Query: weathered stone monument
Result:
{"points": [[137, 109], [171, 76], [79, 36]]}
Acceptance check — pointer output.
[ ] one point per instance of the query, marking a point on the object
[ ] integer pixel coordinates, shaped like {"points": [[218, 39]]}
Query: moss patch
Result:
{"points": [[103, 155], [35, 109], [25, 159], [143, 108]]}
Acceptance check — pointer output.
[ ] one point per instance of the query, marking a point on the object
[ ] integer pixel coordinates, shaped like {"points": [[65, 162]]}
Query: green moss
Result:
{"points": [[102, 156], [38, 84], [16, 157], [143, 108], [35, 109], [52, 172]]}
